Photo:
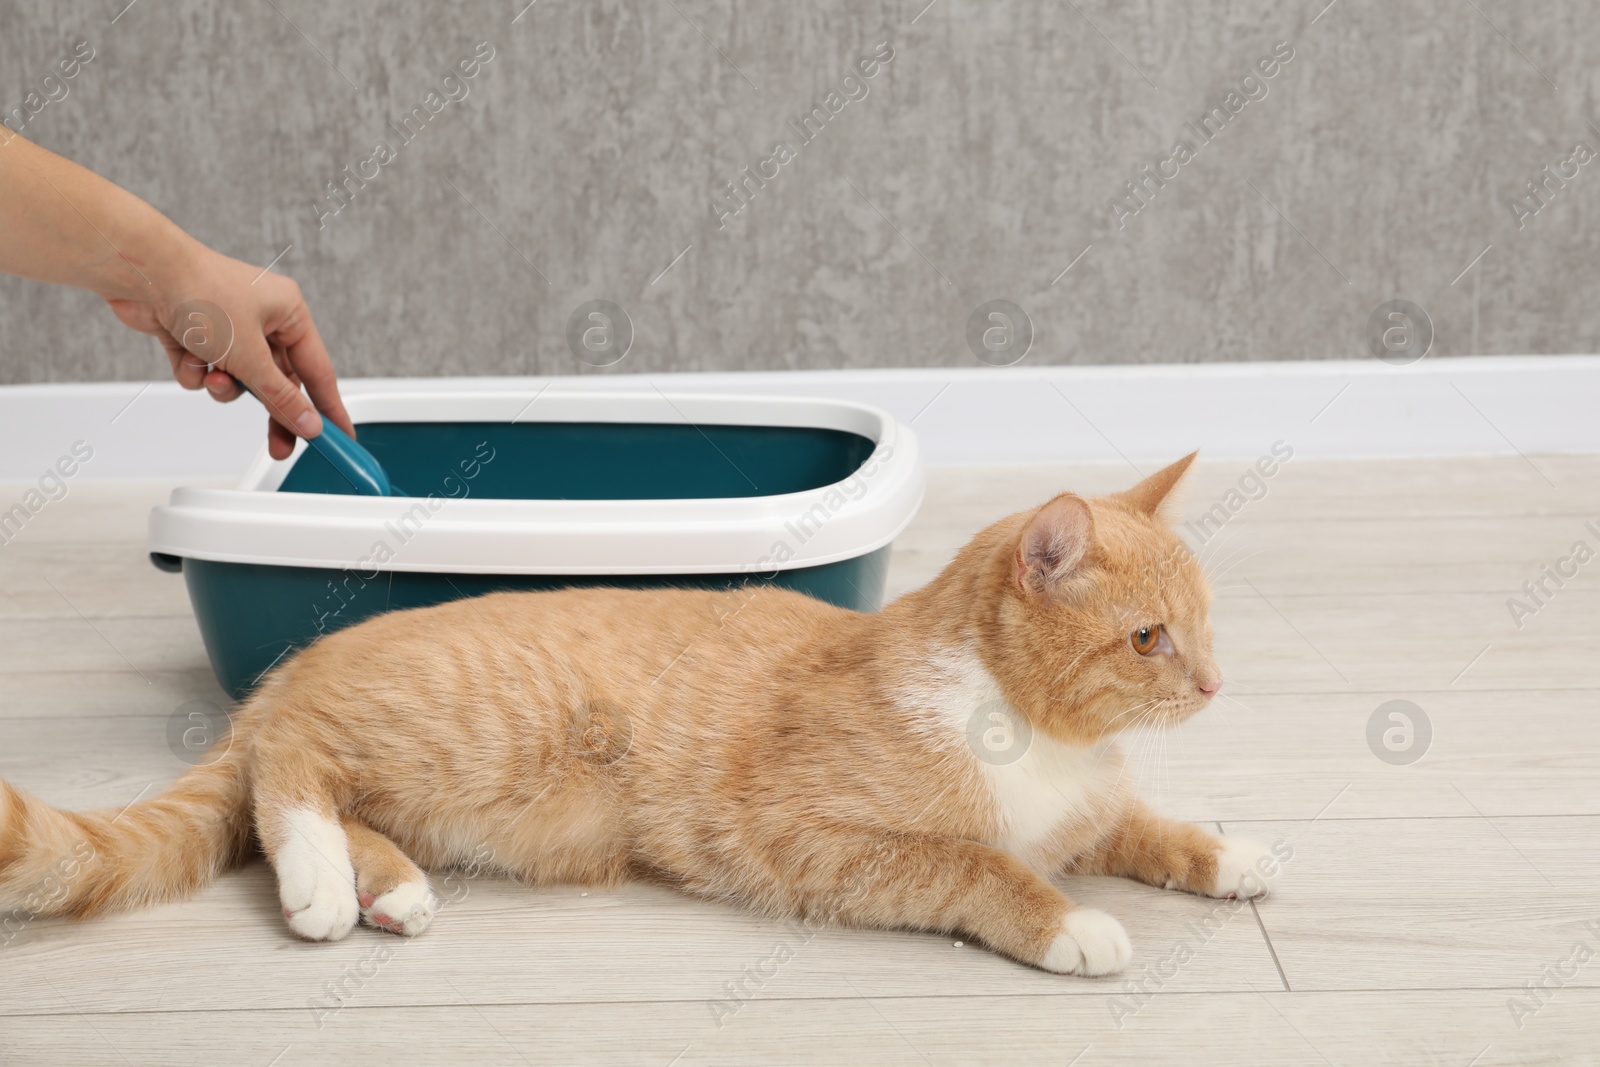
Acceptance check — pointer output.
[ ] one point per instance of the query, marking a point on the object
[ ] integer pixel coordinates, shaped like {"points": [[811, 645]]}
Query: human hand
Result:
{"points": [[223, 323]]}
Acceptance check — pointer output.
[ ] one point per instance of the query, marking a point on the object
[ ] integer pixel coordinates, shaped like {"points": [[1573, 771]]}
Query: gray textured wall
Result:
{"points": [[981, 162]]}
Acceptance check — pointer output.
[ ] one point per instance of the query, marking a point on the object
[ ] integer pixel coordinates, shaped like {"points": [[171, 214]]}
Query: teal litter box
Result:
{"points": [[542, 490]]}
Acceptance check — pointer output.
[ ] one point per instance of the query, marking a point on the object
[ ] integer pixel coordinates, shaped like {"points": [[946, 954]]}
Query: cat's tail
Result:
{"points": [[56, 862]]}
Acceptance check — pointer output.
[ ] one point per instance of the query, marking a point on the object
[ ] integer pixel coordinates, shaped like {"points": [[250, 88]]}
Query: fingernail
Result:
{"points": [[309, 424]]}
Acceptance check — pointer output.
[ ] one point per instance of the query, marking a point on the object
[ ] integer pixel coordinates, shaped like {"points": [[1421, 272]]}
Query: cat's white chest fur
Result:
{"points": [[1036, 783], [1049, 785]]}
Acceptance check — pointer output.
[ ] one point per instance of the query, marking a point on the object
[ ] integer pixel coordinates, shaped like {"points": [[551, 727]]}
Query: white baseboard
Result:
{"points": [[1488, 405]]}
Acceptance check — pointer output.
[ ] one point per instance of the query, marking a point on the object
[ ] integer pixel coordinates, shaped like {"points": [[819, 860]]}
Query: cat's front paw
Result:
{"points": [[407, 909], [1090, 943], [316, 884], [319, 904], [1245, 869]]}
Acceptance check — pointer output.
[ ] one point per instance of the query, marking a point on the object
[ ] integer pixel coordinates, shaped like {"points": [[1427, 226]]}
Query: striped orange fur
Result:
{"points": [[751, 745]]}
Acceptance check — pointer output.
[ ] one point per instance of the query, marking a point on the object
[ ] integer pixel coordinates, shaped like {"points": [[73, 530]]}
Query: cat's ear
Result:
{"points": [[1157, 495], [1053, 544]]}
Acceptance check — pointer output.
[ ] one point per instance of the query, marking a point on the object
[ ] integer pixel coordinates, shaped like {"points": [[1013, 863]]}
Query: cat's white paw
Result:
{"points": [[406, 909], [1090, 943], [316, 883], [1245, 869]]}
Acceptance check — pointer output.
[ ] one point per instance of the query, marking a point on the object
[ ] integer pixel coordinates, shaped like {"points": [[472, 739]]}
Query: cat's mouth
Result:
{"points": [[1193, 703], [1190, 709]]}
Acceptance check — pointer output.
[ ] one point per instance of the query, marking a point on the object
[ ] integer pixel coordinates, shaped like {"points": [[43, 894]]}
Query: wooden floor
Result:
{"points": [[1422, 903]]}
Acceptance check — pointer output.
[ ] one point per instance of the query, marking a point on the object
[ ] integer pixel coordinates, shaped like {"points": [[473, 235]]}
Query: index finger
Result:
{"points": [[309, 358]]}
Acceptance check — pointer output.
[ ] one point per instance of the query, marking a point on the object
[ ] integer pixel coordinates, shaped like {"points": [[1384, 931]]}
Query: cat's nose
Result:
{"points": [[1210, 686]]}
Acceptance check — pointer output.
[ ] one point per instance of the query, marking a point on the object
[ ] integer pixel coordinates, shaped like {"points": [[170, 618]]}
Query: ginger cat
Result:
{"points": [[751, 745]]}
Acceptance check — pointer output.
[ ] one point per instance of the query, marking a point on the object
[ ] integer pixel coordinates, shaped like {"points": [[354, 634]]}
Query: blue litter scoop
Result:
{"points": [[358, 466]]}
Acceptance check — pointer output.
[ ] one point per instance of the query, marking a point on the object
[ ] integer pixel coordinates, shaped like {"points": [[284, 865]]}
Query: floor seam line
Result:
{"points": [[1245, 991], [1262, 926]]}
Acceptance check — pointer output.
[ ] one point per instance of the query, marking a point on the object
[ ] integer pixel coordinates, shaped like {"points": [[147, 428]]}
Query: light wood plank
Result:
{"points": [[1433, 903], [1310, 489], [1263, 757], [1371, 644], [99, 694], [1244, 1029], [102, 579], [122, 643], [500, 942]]}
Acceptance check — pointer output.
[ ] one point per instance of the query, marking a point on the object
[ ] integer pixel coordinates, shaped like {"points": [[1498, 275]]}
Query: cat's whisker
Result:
{"points": [[1208, 546], [1233, 563], [1134, 738], [1169, 742], [1216, 557], [1233, 548], [1118, 716], [1237, 702], [1068, 668], [1220, 710], [1158, 765], [1146, 730], [1227, 551], [1114, 727], [1121, 773], [1214, 548], [1161, 731], [1148, 734], [1131, 764]]}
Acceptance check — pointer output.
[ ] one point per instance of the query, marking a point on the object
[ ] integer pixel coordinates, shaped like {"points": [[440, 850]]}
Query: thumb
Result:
{"points": [[284, 401]]}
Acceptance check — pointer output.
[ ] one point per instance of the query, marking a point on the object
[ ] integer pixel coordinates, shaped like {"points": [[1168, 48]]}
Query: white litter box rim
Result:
{"points": [[758, 534]]}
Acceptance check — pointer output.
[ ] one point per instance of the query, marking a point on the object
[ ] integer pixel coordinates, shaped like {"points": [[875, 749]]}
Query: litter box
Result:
{"points": [[541, 490]]}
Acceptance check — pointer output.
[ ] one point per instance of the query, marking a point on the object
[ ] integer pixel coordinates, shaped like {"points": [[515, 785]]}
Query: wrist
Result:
{"points": [[154, 261]]}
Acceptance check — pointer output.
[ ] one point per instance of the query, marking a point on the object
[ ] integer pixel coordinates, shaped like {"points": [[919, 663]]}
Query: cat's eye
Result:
{"points": [[1145, 639]]}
